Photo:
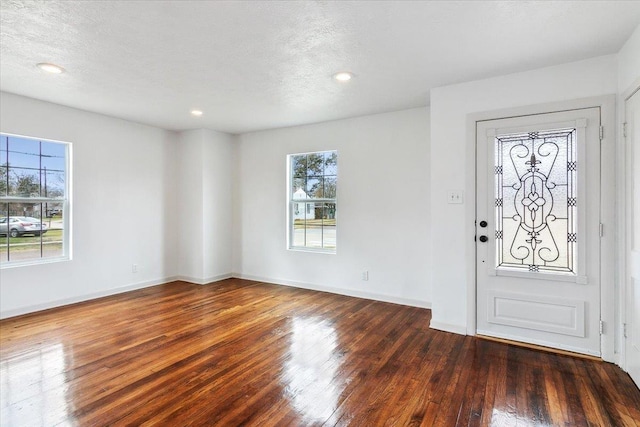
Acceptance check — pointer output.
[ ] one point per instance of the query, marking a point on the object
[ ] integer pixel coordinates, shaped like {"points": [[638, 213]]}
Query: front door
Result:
{"points": [[633, 279], [538, 229]]}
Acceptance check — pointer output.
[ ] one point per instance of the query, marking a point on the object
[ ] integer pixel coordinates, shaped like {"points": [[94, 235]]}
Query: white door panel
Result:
{"points": [[633, 246], [538, 212], [558, 315]]}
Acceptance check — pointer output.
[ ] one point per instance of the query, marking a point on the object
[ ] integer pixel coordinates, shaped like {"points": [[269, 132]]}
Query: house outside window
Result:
{"points": [[34, 200], [312, 218]]}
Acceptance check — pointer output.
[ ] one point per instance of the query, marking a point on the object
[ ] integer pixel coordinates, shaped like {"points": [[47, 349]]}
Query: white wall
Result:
{"points": [[629, 62], [204, 203], [383, 207], [123, 194], [453, 165], [189, 204], [218, 152]]}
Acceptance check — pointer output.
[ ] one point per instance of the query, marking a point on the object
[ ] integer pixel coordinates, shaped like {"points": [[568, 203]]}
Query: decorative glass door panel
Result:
{"points": [[537, 228], [535, 201]]}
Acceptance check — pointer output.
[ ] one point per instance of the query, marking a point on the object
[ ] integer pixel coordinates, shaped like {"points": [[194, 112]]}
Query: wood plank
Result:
{"points": [[240, 352]]}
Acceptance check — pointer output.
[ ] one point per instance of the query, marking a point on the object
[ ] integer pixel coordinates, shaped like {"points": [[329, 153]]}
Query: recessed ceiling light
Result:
{"points": [[343, 76], [50, 68], [196, 113]]}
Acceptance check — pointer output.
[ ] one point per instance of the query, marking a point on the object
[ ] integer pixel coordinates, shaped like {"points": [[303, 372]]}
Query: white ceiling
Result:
{"points": [[252, 65]]}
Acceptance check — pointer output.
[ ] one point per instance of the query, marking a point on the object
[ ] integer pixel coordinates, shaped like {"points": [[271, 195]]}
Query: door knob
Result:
{"points": [[483, 239], [483, 224]]}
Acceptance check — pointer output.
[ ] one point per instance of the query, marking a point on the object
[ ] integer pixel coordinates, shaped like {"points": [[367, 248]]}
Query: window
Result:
{"points": [[34, 200], [313, 180]]}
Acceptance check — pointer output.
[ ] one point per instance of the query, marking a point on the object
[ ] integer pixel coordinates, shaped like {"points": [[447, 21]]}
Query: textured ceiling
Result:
{"points": [[258, 65]]}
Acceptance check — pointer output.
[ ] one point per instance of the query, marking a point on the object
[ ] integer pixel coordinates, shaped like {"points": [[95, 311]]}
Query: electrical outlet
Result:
{"points": [[134, 268], [365, 275]]}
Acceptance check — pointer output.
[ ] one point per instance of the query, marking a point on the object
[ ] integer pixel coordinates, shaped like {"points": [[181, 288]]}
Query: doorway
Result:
{"points": [[538, 229]]}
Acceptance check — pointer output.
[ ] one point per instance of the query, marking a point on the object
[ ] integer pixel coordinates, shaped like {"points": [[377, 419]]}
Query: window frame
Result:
{"points": [[291, 205], [65, 201]]}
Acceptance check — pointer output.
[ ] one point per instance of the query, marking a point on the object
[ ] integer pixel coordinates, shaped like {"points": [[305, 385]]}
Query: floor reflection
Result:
{"points": [[33, 389], [310, 372]]}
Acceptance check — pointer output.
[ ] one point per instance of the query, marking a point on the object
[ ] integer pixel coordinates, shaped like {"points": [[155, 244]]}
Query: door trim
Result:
{"points": [[625, 219], [608, 247]]}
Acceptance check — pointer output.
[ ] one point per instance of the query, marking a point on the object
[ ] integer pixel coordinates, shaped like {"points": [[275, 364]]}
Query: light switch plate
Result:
{"points": [[455, 197]]}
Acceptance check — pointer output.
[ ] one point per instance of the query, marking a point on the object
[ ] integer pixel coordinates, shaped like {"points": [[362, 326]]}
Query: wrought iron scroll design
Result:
{"points": [[535, 200]]}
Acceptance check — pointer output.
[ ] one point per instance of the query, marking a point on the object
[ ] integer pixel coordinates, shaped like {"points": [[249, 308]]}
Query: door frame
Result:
{"points": [[608, 247], [624, 222]]}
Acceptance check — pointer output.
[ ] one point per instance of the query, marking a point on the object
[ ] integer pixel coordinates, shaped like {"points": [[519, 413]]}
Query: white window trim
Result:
{"points": [[66, 208], [291, 203]]}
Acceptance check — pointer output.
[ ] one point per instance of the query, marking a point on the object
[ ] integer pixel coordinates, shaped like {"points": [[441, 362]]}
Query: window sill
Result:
{"points": [[312, 250], [31, 262]]}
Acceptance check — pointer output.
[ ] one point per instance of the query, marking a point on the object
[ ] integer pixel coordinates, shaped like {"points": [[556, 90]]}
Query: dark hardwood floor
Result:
{"points": [[245, 353]]}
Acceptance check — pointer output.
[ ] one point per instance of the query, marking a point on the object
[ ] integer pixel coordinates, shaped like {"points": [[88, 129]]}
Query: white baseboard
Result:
{"points": [[81, 298], [339, 291], [205, 281], [448, 327]]}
